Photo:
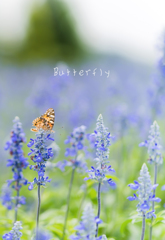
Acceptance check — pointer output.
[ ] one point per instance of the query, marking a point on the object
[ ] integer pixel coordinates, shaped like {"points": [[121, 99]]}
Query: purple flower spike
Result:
{"points": [[145, 195], [153, 145], [75, 140], [101, 144], [41, 154], [6, 197], [87, 228], [15, 233], [17, 162]]}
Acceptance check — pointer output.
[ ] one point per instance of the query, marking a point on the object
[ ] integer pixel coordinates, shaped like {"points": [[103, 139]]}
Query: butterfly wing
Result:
{"points": [[46, 121]]}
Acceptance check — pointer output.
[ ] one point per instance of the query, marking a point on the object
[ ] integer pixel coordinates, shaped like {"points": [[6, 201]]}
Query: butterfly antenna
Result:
{"points": [[59, 129]]}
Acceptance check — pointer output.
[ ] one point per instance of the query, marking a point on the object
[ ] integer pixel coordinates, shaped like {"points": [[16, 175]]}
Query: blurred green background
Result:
{"points": [[129, 100]]}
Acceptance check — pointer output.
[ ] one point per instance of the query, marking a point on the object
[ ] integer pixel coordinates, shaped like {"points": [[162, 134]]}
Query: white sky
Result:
{"points": [[130, 27]]}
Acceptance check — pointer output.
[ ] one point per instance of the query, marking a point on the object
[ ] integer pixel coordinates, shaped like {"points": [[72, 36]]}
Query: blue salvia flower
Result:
{"points": [[6, 197], [15, 233], [17, 162], [76, 142], [41, 153], [102, 168], [102, 143], [144, 194], [87, 228], [155, 156], [153, 145]]}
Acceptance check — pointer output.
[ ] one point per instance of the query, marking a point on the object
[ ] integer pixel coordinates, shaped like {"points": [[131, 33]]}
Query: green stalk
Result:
{"points": [[99, 207], [38, 209], [143, 227], [153, 205], [68, 202], [16, 204]]}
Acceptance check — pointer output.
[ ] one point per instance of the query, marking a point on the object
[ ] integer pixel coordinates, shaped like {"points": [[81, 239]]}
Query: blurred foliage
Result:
{"points": [[51, 36]]}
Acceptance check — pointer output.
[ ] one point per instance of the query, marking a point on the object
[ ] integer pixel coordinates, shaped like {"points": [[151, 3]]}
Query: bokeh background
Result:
{"points": [[123, 37]]}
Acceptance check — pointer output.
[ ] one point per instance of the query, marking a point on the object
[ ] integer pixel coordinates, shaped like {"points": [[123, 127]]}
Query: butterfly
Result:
{"points": [[46, 121]]}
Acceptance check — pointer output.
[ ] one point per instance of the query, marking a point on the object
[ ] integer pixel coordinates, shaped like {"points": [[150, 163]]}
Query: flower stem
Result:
{"points": [[82, 202], [99, 207], [38, 207], [68, 202], [153, 206], [16, 204], [143, 227]]}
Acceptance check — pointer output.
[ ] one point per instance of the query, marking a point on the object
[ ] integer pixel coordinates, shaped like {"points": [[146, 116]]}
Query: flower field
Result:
{"points": [[82, 130], [83, 163]]}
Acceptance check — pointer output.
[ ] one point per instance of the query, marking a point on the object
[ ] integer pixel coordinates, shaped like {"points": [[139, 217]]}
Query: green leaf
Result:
{"points": [[124, 225]]}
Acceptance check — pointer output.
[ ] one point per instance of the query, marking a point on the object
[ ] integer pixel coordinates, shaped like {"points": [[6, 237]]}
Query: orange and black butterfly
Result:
{"points": [[46, 121]]}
